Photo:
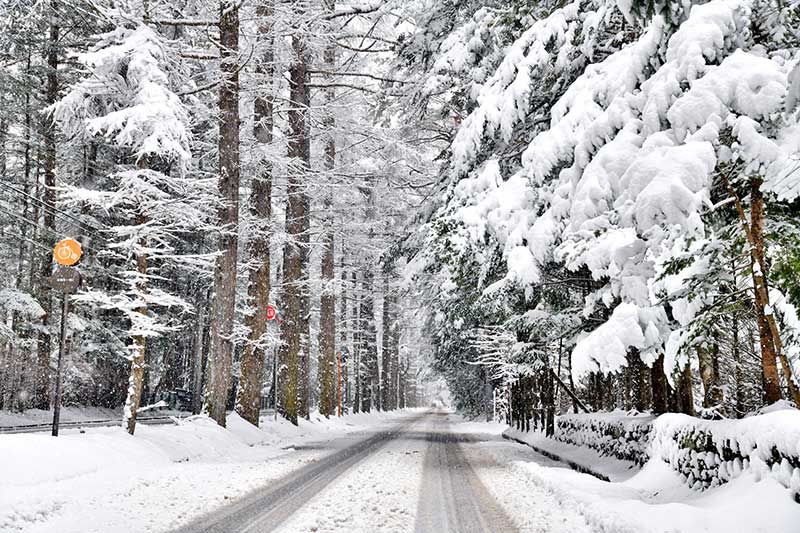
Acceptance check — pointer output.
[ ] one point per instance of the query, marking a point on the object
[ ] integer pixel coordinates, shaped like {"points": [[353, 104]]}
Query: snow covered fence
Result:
{"points": [[616, 434], [709, 453], [705, 453]]}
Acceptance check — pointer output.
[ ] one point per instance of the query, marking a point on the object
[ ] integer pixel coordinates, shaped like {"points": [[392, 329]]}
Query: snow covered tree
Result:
{"points": [[596, 145], [149, 203], [220, 358]]}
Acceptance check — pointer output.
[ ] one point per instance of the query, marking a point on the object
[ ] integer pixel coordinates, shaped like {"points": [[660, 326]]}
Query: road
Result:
{"points": [[436, 488]]}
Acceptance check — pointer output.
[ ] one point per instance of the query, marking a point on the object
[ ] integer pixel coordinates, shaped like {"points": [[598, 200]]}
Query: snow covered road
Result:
{"points": [[371, 472], [267, 508], [426, 474], [452, 497]]}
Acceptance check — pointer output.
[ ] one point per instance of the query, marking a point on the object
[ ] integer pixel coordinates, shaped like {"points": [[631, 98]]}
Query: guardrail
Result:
{"points": [[79, 424]]}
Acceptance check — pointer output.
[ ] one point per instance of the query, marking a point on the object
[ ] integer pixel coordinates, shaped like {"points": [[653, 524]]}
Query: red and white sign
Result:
{"points": [[272, 313]]}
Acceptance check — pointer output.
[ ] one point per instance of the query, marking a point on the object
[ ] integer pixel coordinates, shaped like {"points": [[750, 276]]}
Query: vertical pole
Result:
{"points": [[61, 355], [339, 383], [275, 383], [197, 371]]}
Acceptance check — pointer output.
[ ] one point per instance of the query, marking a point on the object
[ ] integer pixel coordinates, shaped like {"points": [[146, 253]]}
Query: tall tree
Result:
{"points": [[42, 381], [220, 354], [248, 393], [128, 98], [294, 254], [326, 370]]}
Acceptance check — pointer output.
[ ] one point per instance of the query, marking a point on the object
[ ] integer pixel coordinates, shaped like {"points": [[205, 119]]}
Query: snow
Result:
{"points": [[363, 500], [619, 180], [154, 481], [581, 457], [655, 498], [166, 476], [605, 349], [69, 414], [709, 453]]}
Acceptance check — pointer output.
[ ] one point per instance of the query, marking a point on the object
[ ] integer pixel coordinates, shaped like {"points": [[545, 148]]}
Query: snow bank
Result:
{"points": [[616, 434], [709, 453], [705, 453], [172, 472]]}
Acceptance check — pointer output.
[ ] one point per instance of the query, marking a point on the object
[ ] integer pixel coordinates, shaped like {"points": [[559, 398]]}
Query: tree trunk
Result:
{"points": [[369, 349], [248, 394], [220, 354], [772, 390], [345, 328], [658, 382], [42, 381], [327, 371], [139, 344], [197, 367], [709, 375], [293, 253], [684, 392], [357, 370], [388, 356]]}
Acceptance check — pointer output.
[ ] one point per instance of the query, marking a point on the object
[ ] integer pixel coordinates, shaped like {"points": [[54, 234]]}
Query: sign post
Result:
{"points": [[272, 314], [339, 383], [66, 279]]}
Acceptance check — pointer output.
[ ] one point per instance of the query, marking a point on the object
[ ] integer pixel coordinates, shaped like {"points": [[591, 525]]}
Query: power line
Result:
{"points": [[28, 221], [4, 233], [56, 212]]}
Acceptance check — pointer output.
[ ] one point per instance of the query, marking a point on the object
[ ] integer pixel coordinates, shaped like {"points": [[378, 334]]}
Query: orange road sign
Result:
{"points": [[67, 252]]}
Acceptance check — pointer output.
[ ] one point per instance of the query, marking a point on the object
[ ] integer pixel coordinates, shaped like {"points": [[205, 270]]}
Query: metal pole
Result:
{"points": [[275, 383], [62, 349]]}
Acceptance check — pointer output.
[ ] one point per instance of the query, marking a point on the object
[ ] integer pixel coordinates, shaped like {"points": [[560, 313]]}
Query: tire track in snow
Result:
{"points": [[452, 498], [267, 508]]}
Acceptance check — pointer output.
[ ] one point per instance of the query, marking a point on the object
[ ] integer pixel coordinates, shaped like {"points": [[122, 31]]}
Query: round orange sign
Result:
{"points": [[67, 252]]}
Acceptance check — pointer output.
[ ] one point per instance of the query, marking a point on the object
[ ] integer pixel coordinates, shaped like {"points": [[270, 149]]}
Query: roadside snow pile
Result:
{"points": [[173, 472], [705, 453], [616, 434], [709, 453]]}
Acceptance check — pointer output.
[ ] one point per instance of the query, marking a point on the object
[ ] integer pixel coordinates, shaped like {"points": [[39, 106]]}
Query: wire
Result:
{"points": [[28, 221], [4, 233], [86, 226]]}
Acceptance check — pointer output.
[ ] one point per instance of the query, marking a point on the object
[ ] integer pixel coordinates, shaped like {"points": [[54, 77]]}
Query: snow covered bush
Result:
{"points": [[616, 434], [709, 453]]}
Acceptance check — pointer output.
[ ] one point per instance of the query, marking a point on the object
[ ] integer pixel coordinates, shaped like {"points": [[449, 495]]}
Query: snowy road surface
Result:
{"points": [[377, 472], [452, 497], [420, 476]]}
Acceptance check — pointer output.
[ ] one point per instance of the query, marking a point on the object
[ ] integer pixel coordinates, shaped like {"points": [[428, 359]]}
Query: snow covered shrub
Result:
{"points": [[615, 434], [709, 453]]}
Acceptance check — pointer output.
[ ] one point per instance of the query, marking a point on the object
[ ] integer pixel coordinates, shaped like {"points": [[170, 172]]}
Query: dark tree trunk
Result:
{"points": [[248, 394], [294, 254], [327, 368], [369, 351], [389, 357], [220, 355], [658, 380], [709, 375], [41, 394], [683, 391]]}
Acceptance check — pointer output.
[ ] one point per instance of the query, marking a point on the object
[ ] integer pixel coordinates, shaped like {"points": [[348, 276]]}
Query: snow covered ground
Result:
{"points": [[103, 480], [654, 498]]}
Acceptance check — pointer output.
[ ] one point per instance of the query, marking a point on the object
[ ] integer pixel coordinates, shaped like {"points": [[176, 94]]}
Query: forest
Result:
{"points": [[524, 208]]}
